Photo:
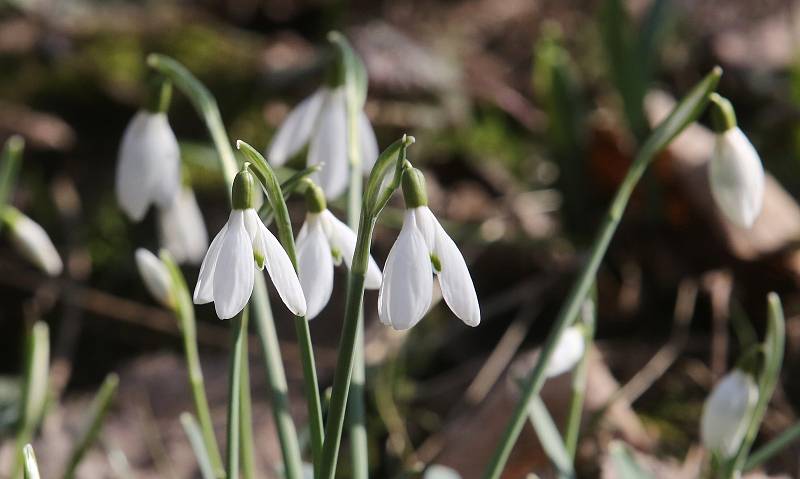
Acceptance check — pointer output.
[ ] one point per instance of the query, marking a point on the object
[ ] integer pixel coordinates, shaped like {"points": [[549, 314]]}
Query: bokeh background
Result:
{"points": [[526, 115]]}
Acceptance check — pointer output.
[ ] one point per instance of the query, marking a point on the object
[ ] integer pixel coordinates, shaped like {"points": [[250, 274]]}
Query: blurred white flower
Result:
{"points": [[422, 249], [32, 241], [321, 122], [155, 276], [148, 169], [323, 242], [568, 352], [438, 471], [737, 177], [228, 270], [182, 229], [726, 413]]}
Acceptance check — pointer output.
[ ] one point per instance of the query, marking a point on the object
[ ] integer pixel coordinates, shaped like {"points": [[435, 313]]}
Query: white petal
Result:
{"points": [[155, 276], [315, 266], [204, 290], [457, 288], [281, 271], [405, 293], [148, 169], [568, 352], [33, 243], [257, 232], [343, 240], [438, 471], [182, 229], [295, 130], [726, 413], [428, 226], [235, 270], [368, 143], [737, 178], [329, 146]]}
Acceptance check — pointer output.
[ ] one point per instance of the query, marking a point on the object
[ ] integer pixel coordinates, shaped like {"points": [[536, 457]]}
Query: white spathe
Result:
{"points": [[320, 121], [182, 229], [737, 178], [726, 413], [148, 168], [568, 352], [325, 241], [33, 243], [155, 276], [407, 286], [228, 271]]}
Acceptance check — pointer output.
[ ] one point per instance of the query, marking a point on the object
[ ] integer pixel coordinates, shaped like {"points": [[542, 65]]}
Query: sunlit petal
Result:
{"points": [[281, 271], [296, 129], [204, 290], [315, 266], [737, 178], [457, 288], [343, 240], [235, 270], [329, 146], [567, 353]]}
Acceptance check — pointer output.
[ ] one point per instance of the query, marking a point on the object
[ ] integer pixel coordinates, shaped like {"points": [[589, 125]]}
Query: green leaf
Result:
{"points": [[550, 438], [625, 465], [773, 447], [9, 166], [195, 436], [91, 426], [37, 368]]}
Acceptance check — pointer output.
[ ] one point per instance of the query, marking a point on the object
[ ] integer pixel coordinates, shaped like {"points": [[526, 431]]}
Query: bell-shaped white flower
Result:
{"points": [[325, 241], [32, 241], [320, 121], [155, 276], [228, 271], [736, 174], [182, 229], [148, 169], [423, 249], [568, 352], [727, 411]]}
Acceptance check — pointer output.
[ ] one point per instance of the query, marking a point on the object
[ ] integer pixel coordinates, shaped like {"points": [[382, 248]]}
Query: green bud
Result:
{"points": [[414, 188], [723, 117], [315, 197], [160, 95], [244, 189]]}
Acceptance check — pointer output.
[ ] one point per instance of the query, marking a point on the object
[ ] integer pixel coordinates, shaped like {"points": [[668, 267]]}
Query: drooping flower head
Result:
{"points": [[320, 121], [735, 171], [155, 276], [244, 243], [727, 411], [568, 352], [325, 241], [148, 168], [31, 241], [423, 249], [181, 228]]}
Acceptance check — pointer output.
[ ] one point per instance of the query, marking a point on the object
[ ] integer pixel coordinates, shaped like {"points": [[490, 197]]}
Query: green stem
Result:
{"points": [[206, 106], [573, 427], [238, 338], [374, 201], [683, 114], [267, 177], [246, 419], [9, 166], [97, 413], [772, 448], [184, 310]]}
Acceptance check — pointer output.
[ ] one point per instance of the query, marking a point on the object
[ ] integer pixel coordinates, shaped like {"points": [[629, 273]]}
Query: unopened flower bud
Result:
{"points": [[727, 411], [155, 276], [568, 352], [32, 242]]}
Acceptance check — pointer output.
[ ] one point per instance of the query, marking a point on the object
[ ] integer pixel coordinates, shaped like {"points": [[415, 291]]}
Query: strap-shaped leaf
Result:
{"points": [[550, 438]]}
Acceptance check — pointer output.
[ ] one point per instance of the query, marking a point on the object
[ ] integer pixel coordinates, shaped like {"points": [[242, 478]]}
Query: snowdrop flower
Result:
{"points": [[735, 171], [182, 229], [321, 122], [323, 242], [438, 471], [155, 276], [726, 413], [423, 249], [32, 242], [148, 169], [228, 270], [568, 352]]}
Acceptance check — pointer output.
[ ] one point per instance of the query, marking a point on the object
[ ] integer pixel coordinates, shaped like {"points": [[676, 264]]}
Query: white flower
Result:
{"points": [[568, 352], [182, 229], [148, 171], [726, 413], [438, 471], [228, 270], [32, 242], [737, 177], [422, 249], [323, 242], [155, 276], [321, 121]]}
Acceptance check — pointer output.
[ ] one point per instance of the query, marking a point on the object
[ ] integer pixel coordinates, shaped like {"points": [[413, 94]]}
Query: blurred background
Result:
{"points": [[526, 114]]}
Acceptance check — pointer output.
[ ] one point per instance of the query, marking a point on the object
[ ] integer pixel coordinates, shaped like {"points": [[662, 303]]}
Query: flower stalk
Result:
{"points": [[684, 113], [10, 160], [238, 340], [206, 106], [579, 376]]}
